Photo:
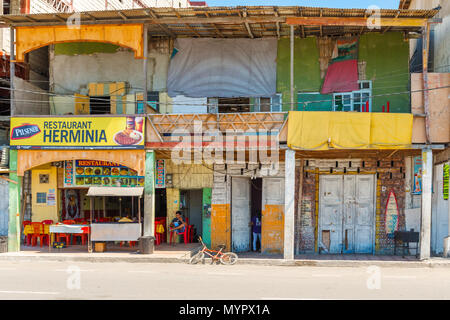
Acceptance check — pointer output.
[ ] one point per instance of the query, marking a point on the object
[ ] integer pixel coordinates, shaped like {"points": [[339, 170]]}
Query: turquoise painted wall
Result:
{"points": [[206, 216], [387, 58], [14, 204], [306, 68]]}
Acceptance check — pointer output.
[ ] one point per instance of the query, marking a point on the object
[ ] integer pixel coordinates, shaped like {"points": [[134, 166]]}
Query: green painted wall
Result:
{"points": [[149, 194], [324, 102], [14, 205], [306, 68], [387, 58], [206, 216], [73, 48]]}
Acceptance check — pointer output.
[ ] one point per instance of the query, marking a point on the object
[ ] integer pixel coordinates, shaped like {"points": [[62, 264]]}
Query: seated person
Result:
{"points": [[177, 223]]}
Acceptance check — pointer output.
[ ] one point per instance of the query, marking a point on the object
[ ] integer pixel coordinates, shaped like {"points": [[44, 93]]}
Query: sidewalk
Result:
{"points": [[181, 254]]}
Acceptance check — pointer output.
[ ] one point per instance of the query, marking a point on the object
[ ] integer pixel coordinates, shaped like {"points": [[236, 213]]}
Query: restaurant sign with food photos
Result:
{"points": [[118, 132], [89, 173]]}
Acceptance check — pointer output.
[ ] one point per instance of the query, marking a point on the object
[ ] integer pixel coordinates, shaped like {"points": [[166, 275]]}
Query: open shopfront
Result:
{"points": [[78, 183]]}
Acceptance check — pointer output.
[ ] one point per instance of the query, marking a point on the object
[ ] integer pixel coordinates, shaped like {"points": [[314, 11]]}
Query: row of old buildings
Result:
{"points": [[330, 125]]}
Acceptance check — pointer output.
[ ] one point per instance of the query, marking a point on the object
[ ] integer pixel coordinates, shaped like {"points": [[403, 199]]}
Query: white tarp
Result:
{"points": [[182, 104], [223, 68]]}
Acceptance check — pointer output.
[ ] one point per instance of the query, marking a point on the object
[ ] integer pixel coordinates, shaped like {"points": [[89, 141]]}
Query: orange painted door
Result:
{"points": [[272, 231], [220, 225]]}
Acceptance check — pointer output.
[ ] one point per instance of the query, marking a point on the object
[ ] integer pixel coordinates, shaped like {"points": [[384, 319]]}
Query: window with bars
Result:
{"points": [[41, 197], [355, 100], [269, 104]]}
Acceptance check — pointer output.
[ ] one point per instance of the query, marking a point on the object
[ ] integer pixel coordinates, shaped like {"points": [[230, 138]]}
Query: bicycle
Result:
{"points": [[227, 258]]}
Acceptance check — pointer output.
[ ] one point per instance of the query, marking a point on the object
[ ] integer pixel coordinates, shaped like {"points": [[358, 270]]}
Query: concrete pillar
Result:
{"points": [[12, 72], [149, 194], [145, 36], [289, 201], [291, 69], [447, 239], [14, 205], [425, 226]]}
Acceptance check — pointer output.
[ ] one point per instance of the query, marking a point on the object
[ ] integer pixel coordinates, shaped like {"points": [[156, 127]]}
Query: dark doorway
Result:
{"points": [[160, 203], [256, 207], [100, 105]]}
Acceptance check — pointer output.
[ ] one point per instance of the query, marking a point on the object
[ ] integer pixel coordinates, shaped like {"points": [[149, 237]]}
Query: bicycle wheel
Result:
{"points": [[196, 258], [229, 258]]}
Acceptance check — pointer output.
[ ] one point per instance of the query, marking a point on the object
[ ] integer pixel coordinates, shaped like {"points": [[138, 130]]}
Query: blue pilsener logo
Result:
{"points": [[25, 131]]}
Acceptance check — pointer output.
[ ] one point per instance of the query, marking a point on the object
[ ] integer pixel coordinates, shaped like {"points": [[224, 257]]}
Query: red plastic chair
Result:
{"points": [[46, 236], [184, 234], [28, 236], [38, 232]]}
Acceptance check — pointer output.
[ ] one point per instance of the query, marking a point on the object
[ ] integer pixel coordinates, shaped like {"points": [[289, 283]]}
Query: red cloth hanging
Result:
{"points": [[342, 76]]}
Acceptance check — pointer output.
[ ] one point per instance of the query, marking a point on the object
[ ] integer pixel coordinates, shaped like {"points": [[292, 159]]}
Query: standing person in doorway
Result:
{"points": [[256, 230]]}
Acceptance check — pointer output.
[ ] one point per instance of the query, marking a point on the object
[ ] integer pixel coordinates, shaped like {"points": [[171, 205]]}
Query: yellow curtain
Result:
{"points": [[309, 130]]}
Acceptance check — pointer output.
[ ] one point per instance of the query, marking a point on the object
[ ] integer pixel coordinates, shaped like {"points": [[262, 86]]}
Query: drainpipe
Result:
{"points": [[425, 223], [145, 96], [425, 49], [292, 67], [12, 71]]}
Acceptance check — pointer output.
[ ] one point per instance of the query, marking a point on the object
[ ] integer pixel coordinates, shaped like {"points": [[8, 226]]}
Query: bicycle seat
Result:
{"points": [[221, 246]]}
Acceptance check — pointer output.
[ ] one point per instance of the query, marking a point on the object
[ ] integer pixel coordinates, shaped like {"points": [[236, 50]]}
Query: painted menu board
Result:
{"points": [[160, 179], [88, 173]]}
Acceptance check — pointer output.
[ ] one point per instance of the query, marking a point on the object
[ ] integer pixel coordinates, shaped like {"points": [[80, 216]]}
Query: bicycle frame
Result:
{"points": [[209, 251]]}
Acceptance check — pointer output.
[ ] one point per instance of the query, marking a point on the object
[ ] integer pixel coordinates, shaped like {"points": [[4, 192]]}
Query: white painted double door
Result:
{"points": [[347, 213]]}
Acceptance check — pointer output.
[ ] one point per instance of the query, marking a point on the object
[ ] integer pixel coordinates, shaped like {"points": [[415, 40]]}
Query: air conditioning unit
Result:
{"points": [[4, 157]]}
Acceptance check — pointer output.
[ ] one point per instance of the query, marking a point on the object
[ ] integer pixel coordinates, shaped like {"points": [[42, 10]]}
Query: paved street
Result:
{"points": [[59, 280]]}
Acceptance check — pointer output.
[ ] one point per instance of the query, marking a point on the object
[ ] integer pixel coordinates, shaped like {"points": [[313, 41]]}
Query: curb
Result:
{"points": [[241, 261]]}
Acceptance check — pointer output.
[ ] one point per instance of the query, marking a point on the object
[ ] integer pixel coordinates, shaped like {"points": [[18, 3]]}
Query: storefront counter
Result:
{"points": [[116, 231]]}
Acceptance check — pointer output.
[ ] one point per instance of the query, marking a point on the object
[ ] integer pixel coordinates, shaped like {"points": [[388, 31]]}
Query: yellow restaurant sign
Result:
{"points": [[125, 132]]}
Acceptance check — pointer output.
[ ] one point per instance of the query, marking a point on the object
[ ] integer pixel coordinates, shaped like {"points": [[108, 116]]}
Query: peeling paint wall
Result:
{"points": [[221, 205], [73, 66], [390, 176], [30, 99]]}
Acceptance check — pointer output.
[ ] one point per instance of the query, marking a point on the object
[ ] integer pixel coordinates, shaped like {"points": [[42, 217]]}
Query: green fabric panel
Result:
{"points": [[206, 216], [387, 65], [14, 205], [74, 48], [324, 102], [119, 105], [252, 104], [306, 68]]}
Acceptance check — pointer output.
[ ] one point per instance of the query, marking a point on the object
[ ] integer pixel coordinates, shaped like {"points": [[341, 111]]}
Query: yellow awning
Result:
{"points": [[125, 35], [309, 130]]}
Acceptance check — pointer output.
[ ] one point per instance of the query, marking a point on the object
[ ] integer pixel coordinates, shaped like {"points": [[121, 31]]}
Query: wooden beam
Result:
{"points": [[247, 26], [425, 50], [120, 13], [215, 26], [275, 12], [59, 18], [387, 29], [163, 27], [361, 22]]}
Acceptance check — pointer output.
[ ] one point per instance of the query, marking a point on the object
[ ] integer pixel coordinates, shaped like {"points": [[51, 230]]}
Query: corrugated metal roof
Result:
{"points": [[264, 21]]}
